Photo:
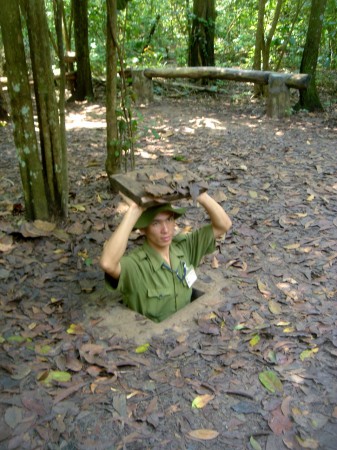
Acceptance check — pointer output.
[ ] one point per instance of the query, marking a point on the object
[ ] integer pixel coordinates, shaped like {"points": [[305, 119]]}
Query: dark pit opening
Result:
{"points": [[196, 293]]}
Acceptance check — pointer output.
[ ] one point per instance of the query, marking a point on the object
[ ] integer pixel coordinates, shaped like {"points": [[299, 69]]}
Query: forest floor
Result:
{"points": [[259, 372]]}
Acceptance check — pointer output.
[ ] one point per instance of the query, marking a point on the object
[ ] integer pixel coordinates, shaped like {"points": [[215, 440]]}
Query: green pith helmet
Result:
{"points": [[149, 214]]}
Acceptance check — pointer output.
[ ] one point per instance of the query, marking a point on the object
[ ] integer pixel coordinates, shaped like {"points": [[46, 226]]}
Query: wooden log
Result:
{"points": [[253, 76], [298, 81]]}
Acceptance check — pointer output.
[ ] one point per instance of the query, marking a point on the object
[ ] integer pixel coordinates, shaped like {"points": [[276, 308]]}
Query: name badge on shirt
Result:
{"points": [[190, 277]]}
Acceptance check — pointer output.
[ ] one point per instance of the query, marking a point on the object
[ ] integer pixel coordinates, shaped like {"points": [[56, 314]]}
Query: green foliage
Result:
{"points": [[181, 158], [328, 56], [234, 33], [168, 43]]}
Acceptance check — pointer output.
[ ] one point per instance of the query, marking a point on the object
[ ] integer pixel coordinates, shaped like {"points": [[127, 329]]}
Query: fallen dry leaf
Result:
{"points": [[263, 288], [201, 400], [203, 434], [215, 263], [308, 443], [274, 307], [279, 423], [13, 416], [6, 243]]}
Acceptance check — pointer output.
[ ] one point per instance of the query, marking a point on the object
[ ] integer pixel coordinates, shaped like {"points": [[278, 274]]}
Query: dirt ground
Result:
{"points": [[258, 371]]}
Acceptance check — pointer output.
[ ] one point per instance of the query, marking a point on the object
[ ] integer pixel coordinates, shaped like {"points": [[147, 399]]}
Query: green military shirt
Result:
{"points": [[152, 288]]}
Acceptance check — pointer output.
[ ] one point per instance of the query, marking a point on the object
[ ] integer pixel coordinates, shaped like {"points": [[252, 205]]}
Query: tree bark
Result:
{"points": [[35, 198], [3, 107], [259, 36], [84, 89], [51, 133], [59, 14], [266, 48], [262, 44], [113, 160], [309, 99], [201, 45], [259, 43]]}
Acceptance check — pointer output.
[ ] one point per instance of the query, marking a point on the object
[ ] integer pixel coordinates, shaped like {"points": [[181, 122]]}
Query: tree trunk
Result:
{"points": [[201, 46], [259, 43], [36, 201], [59, 14], [309, 99], [66, 28], [53, 153], [113, 161], [3, 108], [262, 44], [266, 49], [84, 89]]}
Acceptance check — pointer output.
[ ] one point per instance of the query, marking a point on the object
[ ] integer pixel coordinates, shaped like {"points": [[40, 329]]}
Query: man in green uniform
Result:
{"points": [[156, 279]]}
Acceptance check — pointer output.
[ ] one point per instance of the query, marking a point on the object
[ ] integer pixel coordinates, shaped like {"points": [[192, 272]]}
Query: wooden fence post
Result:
{"points": [[278, 103], [142, 87]]}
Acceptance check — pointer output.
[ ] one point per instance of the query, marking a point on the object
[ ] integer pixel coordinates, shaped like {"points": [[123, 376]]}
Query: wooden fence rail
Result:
{"points": [[279, 84]]}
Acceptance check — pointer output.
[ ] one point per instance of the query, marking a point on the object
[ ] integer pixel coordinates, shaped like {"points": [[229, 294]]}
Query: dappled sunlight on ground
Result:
{"points": [[76, 121]]}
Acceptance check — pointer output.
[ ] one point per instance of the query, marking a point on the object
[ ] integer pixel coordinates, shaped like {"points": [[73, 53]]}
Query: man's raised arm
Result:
{"points": [[115, 247], [221, 223]]}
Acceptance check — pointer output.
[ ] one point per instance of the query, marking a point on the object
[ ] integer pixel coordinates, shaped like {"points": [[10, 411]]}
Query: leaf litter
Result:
{"points": [[259, 371]]}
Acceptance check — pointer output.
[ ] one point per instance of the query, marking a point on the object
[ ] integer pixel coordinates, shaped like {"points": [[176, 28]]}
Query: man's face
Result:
{"points": [[160, 232]]}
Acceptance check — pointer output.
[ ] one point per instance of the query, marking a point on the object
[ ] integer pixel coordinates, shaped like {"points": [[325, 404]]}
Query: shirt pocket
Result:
{"points": [[160, 304]]}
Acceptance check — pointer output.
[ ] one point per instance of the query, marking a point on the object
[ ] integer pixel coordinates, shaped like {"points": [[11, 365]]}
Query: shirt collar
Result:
{"points": [[176, 255]]}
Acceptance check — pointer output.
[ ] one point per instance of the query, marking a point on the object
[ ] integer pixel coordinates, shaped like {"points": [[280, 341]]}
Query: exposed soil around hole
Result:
{"points": [[259, 371]]}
